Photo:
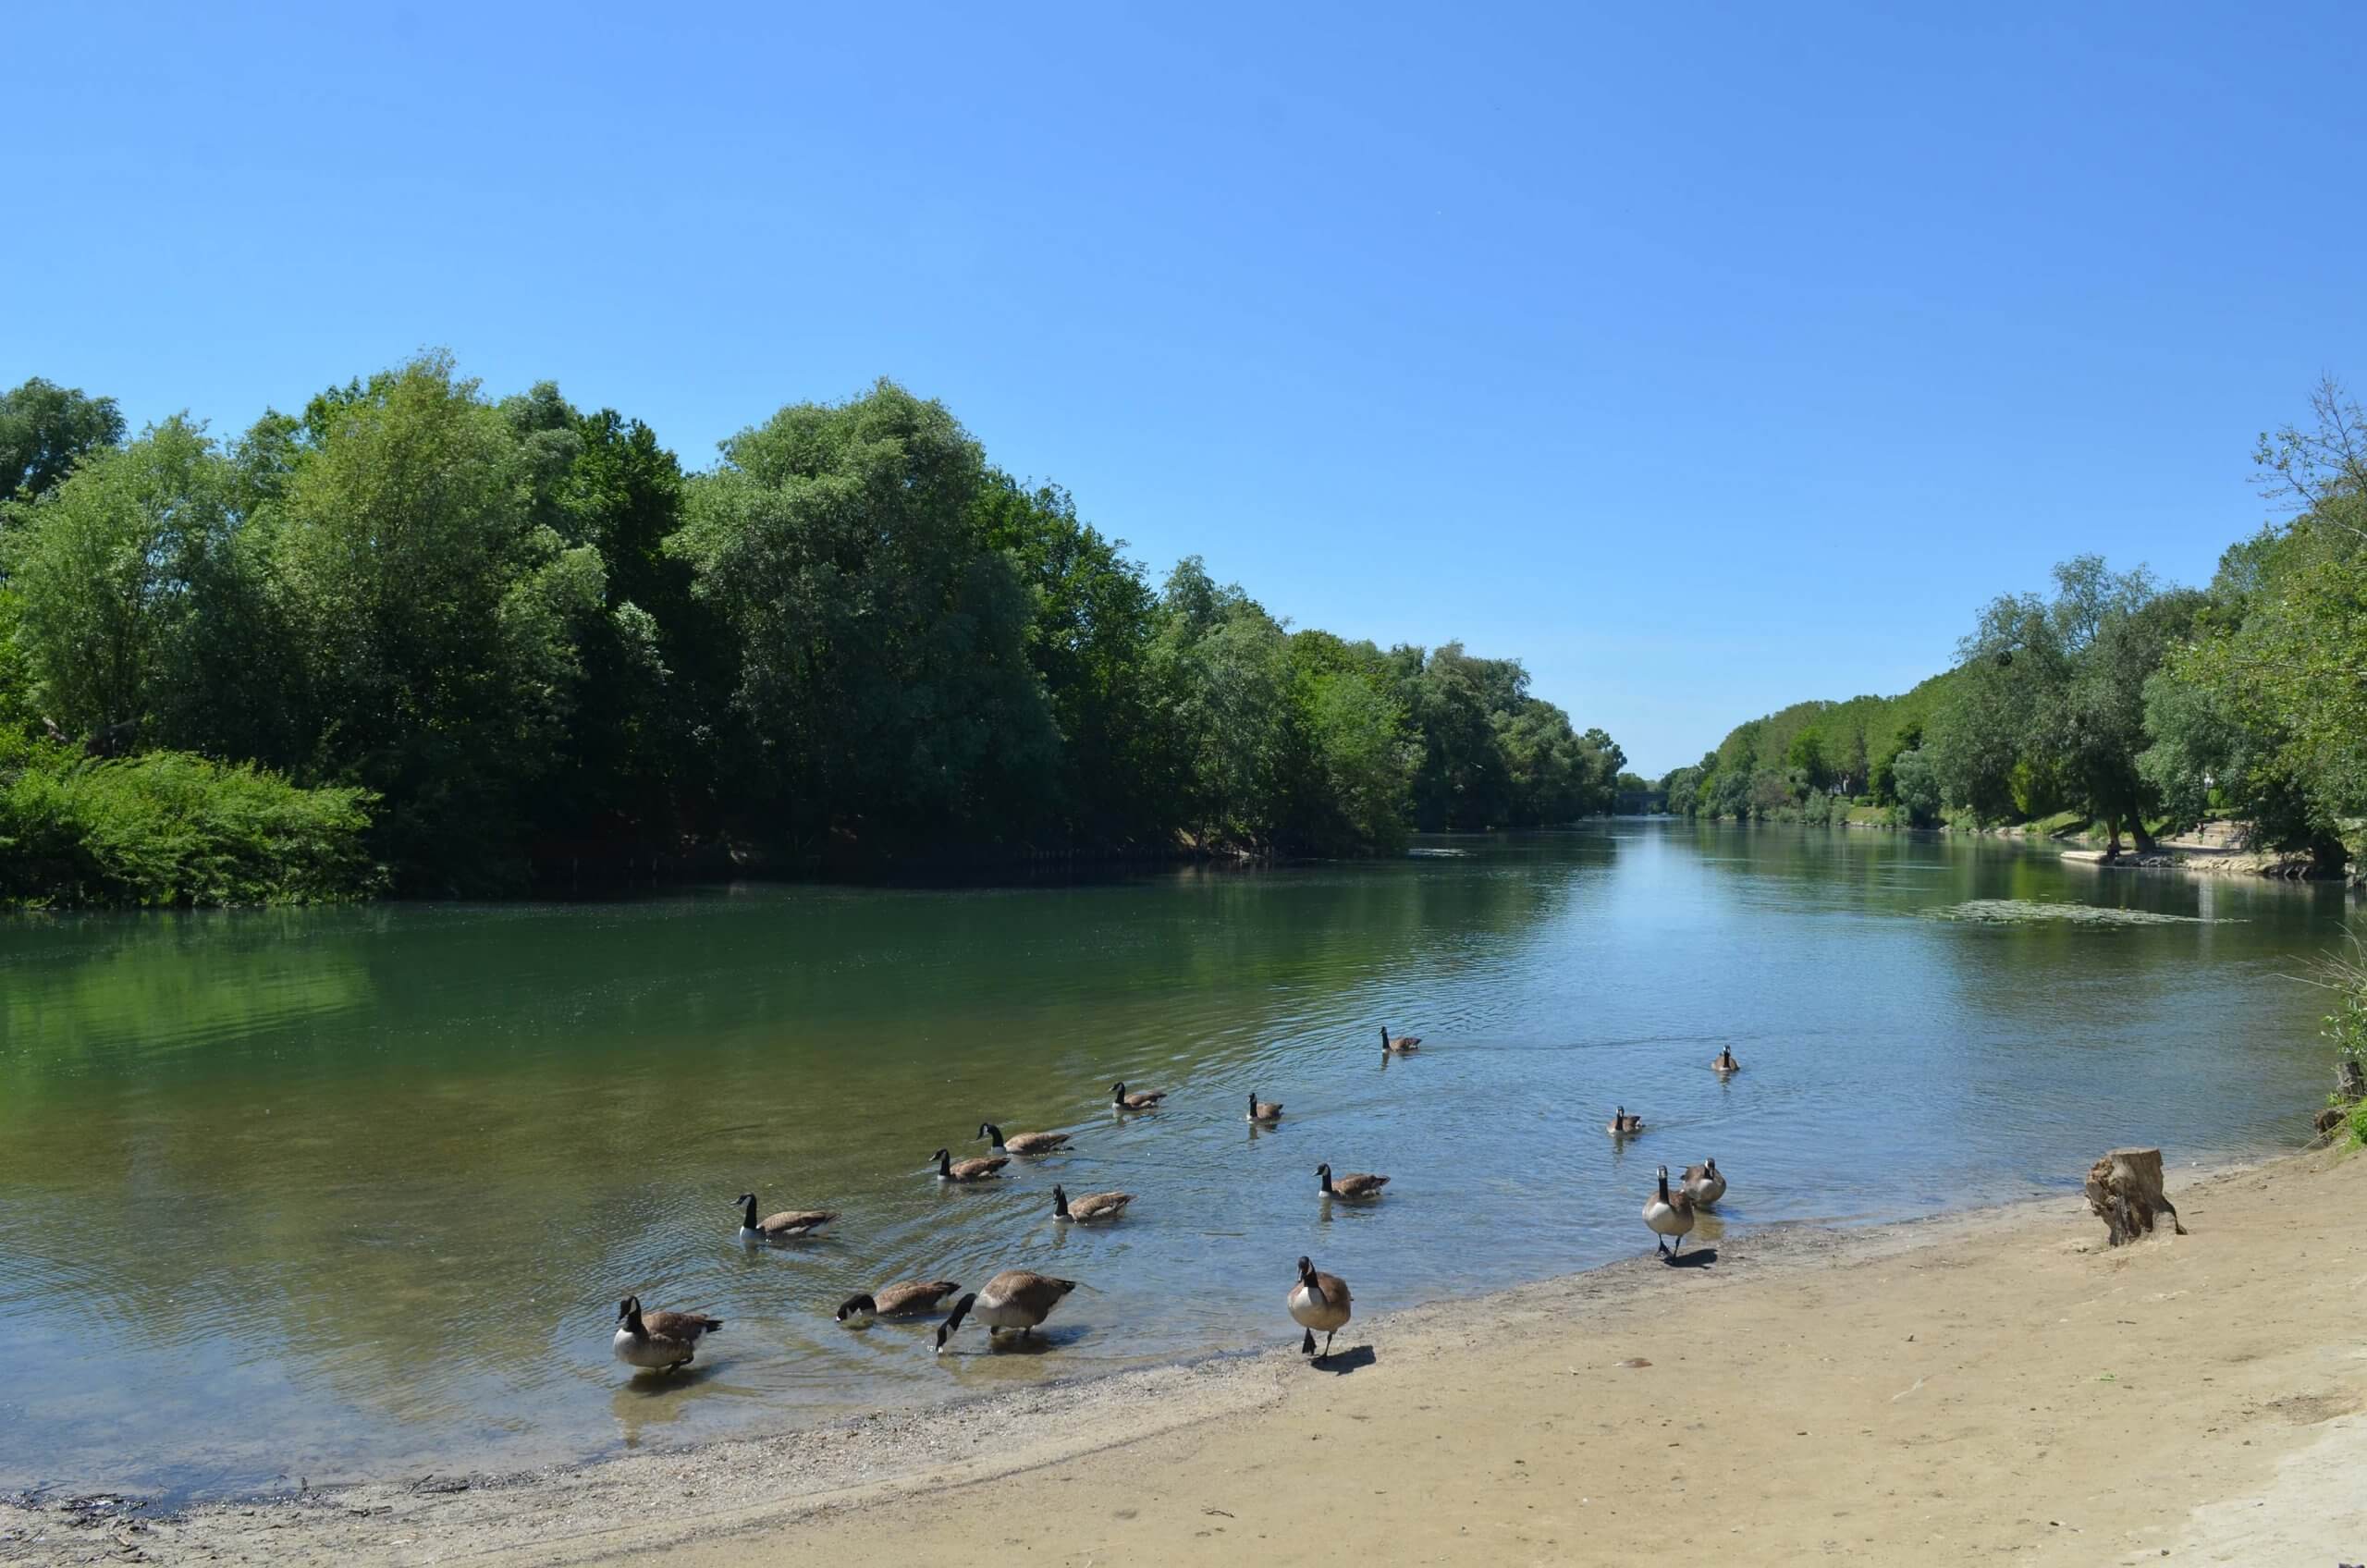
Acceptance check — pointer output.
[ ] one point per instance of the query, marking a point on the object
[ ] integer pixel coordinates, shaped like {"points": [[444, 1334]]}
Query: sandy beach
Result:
{"points": [[1994, 1384]]}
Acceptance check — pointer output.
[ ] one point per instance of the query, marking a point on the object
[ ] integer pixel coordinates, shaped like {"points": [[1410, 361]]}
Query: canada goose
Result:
{"points": [[786, 1226], [1622, 1124], [1668, 1216], [658, 1341], [897, 1301], [1144, 1101], [1355, 1187], [1264, 1110], [1012, 1299], [1401, 1045], [1704, 1184], [1319, 1301], [1021, 1143], [1090, 1207], [967, 1171], [1725, 1062]]}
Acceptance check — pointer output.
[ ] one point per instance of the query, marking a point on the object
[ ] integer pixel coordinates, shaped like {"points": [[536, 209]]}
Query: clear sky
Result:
{"points": [[1705, 357]]}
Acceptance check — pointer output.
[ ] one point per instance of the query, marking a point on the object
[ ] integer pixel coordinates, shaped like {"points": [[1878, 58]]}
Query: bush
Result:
{"points": [[172, 829]]}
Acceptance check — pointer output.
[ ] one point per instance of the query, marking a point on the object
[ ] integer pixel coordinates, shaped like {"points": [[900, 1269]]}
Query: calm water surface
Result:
{"points": [[327, 1193]]}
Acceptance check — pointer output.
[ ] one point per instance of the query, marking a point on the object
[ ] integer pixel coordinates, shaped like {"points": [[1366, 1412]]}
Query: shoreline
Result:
{"points": [[898, 1469]]}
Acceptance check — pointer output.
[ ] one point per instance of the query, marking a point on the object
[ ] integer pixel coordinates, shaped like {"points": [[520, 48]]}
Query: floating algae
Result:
{"points": [[2027, 911]]}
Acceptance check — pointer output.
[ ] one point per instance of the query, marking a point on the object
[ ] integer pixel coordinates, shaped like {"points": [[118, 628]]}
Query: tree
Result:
{"points": [[429, 617], [1362, 763], [1222, 666], [108, 569], [1090, 630], [46, 429], [2272, 693], [884, 676], [2051, 702], [1464, 780]]}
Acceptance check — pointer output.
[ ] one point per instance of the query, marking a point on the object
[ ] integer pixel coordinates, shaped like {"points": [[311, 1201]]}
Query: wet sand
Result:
{"points": [[1987, 1384]]}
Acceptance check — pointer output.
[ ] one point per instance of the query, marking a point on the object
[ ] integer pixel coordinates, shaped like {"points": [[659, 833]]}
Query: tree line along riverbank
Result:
{"points": [[2118, 703], [418, 639]]}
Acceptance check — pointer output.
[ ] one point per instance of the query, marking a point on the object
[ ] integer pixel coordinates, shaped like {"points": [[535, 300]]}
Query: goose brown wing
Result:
{"points": [[912, 1296], [796, 1220], [684, 1325]]}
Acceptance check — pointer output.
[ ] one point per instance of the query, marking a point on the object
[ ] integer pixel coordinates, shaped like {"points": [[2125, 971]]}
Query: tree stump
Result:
{"points": [[2349, 1082], [2125, 1189], [2327, 1120]]}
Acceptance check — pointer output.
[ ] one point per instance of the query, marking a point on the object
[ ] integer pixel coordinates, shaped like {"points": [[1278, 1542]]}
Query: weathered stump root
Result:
{"points": [[2125, 1189]]}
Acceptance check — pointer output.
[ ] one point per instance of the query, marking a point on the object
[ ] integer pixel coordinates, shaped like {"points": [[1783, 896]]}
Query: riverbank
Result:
{"points": [[1990, 1382]]}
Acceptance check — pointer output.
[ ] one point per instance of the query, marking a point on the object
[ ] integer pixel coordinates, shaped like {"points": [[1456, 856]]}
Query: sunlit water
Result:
{"points": [[328, 1193]]}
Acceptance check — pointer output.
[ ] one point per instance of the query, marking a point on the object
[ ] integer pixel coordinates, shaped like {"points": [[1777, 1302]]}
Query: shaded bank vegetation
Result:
{"points": [[417, 638], [2118, 701]]}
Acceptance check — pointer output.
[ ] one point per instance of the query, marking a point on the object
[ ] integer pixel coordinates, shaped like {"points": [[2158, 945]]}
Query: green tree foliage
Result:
{"points": [[884, 677], [429, 618], [2049, 710], [2268, 702], [2125, 702], [109, 568], [45, 430], [415, 635]]}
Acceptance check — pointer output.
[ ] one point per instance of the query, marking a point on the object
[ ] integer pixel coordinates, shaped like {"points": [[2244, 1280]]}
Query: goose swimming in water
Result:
{"points": [[963, 1173], [659, 1341], [1319, 1301], [1399, 1045], [1355, 1187], [1012, 1299], [1264, 1110], [787, 1226], [1668, 1216], [1089, 1209], [896, 1301], [1704, 1184], [1147, 1100], [1725, 1062], [1021, 1143], [1623, 1125]]}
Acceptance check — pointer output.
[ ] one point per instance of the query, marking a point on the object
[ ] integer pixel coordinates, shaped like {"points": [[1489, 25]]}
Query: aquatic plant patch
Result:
{"points": [[2030, 912]]}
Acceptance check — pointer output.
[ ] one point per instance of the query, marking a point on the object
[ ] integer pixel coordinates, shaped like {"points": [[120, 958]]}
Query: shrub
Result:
{"points": [[169, 828]]}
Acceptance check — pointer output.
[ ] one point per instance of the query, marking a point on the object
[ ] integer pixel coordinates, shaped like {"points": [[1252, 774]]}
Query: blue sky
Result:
{"points": [[1704, 357]]}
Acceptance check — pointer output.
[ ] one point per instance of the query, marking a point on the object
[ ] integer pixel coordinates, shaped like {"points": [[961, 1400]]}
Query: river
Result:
{"points": [[324, 1193]]}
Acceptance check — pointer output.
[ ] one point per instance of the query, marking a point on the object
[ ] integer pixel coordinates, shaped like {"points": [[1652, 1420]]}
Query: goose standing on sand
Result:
{"points": [[1147, 1100], [1399, 1045], [1012, 1299], [1704, 1184], [1021, 1143], [1355, 1186], [963, 1172], [1264, 1110], [1725, 1062], [788, 1225], [896, 1301], [1668, 1216], [1623, 1125], [659, 1341], [1090, 1208], [1319, 1301]]}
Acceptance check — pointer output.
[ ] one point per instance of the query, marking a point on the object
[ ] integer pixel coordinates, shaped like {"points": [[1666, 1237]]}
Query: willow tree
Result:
{"points": [[883, 679]]}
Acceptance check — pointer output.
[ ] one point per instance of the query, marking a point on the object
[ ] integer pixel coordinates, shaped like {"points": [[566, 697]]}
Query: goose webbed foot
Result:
{"points": [[1307, 1345]]}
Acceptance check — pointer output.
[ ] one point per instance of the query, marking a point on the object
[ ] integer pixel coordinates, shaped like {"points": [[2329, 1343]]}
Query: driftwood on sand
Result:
{"points": [[2125, 1189]]}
